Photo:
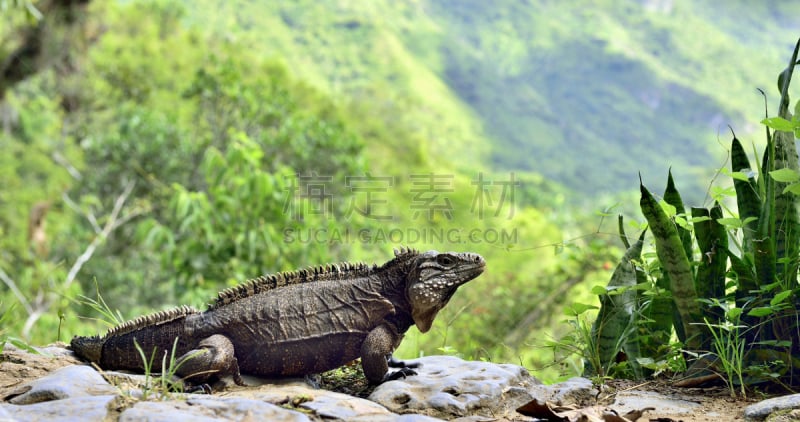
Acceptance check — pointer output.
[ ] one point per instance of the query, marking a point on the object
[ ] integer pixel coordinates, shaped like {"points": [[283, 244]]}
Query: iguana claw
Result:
{"points": [[400, 373]]}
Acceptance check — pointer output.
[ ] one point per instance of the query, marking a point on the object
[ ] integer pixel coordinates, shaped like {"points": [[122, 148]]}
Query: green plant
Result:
{"points": [[581, 342], [167, 381], [707, 263], [110, 318], [5, 314], [729, 347], [613, 331]]}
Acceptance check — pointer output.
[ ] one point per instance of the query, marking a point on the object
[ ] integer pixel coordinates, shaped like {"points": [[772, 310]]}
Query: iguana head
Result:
{"points": [[433, 279]]}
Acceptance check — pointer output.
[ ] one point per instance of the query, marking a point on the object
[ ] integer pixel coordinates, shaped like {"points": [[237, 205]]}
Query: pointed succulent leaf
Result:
{"points": [[673, 197], [621, 228], [673, 258], [712, 240], [616, 321]]}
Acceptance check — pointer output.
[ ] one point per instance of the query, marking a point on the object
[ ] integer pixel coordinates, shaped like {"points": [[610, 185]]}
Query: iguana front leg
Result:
{"points": [[376, 352], [213, 357]]}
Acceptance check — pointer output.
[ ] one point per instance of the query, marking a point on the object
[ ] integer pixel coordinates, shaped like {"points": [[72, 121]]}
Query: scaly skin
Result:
{"points": [[296, 323]]}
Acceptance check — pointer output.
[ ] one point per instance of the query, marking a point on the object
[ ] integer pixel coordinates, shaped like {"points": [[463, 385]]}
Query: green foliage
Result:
{"points": [[582, 341], [197, 136], [5, 338], [210, 110], [672, 256], [615, 326], [110, 317], [737, 302], [517, 66], [33, 14], [729, 349], [163, 385]]}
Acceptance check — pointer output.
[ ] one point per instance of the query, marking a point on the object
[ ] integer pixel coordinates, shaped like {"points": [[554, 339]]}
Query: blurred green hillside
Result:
{"points": [[585, 93], [158, 151]]}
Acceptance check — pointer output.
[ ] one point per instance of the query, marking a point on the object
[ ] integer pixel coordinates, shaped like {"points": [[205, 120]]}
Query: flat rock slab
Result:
{"points": [[323, 403], [209, 409], [67, 382], [628, 401], [574, 391], [448, 387], [761, 410], [86, 408]]}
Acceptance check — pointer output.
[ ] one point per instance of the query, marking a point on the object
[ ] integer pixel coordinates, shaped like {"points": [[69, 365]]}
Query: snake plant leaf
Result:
{"points": [[673, 197], [659, 313], [615, 325], [746, 284], [784, 80], [763, 243], [784, 207], [671, 253], [712, 240], [786, 219], [747, 199], [621, 229]]}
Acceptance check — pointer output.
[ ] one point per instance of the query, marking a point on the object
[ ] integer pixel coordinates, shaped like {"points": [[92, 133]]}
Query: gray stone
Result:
{"points": [[209, 409], [762, 409], [327, 404], [448, 387], [792, 415], [63, 383], [5, 415], [393, 417], [574, 391], [56, 351], [627, 401], [70, 409]]}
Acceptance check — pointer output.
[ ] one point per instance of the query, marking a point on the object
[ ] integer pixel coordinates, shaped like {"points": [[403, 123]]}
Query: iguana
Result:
{"points": [[295, 323]]}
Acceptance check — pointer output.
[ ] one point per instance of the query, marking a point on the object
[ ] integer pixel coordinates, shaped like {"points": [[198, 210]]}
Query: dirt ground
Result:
{"points": [[716, 403]]}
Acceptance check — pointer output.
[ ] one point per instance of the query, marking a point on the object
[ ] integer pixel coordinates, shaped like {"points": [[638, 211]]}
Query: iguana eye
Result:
{"points": [[445, 260]]}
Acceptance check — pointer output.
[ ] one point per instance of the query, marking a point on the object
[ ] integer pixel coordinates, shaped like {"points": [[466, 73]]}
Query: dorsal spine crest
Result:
{"points": [[151, 319], [343, 270]]}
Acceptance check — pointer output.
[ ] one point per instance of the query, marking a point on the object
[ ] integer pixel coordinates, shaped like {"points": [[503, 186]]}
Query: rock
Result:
{"points": [[575, 390], [323, 403], [19, 366], [5, 415], [784, 416], [762, 409], [202, 409], [85, 408], [627, 401], [448, 387], [68, 382]]}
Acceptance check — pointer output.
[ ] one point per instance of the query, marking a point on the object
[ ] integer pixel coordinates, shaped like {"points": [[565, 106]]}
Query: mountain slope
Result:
{"points": [[593, 92], [365, 53], [586, 93]]}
